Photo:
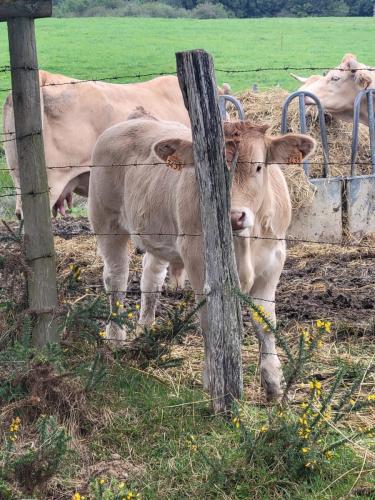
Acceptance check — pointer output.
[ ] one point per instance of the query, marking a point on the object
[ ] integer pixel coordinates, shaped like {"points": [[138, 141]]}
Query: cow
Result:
{"points": [[338, 88], [74, 114], [154, 201]]}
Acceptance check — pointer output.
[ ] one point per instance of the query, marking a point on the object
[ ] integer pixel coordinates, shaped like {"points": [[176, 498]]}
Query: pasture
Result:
{"points": [[137, 421]]}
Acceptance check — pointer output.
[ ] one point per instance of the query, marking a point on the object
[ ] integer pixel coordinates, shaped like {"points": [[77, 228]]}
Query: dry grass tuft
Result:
{"points": [[48, 391]]}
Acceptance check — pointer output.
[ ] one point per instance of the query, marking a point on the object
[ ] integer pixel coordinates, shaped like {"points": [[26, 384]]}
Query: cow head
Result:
{"points": [[256, 152], [249, 152], [339, 87]]}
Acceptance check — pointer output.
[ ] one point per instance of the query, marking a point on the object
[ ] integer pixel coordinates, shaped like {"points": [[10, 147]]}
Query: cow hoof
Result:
{"points": [[271, 378], [115, 335]]}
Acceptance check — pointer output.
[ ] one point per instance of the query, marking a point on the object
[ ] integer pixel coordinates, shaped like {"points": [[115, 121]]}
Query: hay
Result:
{"points": [[265, 107]]}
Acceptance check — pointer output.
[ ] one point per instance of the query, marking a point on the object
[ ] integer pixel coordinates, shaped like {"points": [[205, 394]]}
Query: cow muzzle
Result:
{"points": [[241, 218]]}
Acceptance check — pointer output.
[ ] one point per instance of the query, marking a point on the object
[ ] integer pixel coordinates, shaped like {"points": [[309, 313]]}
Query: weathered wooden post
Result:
{"points": [[223, 338], [33, 176]]}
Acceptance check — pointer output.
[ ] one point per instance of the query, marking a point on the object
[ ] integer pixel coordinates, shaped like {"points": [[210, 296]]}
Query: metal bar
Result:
{"points": [[357, 109], [371, 125], [322, 125], [235, 102], [303, 127]]}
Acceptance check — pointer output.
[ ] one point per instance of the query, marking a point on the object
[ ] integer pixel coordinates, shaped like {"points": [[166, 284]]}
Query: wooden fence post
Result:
{"points": [[38, 239], [223, 338]]}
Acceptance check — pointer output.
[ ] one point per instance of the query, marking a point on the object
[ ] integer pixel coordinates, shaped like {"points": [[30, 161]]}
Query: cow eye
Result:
{"points": [[259, 168], [335, 78]]}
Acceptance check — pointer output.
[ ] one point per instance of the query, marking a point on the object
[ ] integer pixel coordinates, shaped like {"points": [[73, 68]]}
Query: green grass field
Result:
{"points": [[101, 47], [104, 47]]}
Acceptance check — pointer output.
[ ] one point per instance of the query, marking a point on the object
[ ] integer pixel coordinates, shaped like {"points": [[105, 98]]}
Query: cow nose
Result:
{"points": [[239, 219]]}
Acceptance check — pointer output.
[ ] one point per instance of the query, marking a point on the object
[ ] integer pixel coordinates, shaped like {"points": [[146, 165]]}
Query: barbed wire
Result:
{"points": [[260, 69], [68, 234], [184, 164]]}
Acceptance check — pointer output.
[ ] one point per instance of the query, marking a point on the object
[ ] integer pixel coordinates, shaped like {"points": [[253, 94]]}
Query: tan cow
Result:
{"points": [[152, 199], [339, 87], [75, 113]]}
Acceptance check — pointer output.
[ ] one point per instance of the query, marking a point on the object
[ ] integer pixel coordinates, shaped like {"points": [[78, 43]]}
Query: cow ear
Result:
{"points": [[350, 60], [290, 148], [177, 153], [363, 79]]}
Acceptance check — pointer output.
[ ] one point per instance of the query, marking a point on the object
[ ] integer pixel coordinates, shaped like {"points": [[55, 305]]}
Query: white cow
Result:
{"points": [[338, 88], [156, 200]]}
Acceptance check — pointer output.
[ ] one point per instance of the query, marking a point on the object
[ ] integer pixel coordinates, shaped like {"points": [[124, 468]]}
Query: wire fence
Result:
{"points": [[7, 68]]}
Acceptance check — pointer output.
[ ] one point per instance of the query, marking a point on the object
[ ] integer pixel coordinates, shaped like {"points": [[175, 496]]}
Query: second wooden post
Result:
{"points": [[223, 338]]}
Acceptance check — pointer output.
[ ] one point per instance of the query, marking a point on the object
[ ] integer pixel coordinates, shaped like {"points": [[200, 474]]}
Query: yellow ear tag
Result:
{"points": [[174, 162], [295, 158]]}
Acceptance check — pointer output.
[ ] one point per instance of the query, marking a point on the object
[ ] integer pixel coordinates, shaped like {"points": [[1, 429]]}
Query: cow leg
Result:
{"points": [[191, 250], [177, 275], [114, 250], [153, 276], [270, 367], [244, 264]]}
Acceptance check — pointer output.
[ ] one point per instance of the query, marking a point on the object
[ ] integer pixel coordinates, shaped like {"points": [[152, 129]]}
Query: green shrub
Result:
{"points": [[208, 10], [32, 462]]}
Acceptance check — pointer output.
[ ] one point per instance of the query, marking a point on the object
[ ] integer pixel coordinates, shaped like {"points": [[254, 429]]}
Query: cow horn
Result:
{"points": [[299, 78]]}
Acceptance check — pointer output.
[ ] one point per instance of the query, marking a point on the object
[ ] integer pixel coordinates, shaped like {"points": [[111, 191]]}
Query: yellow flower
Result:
{"points": [[101, 481], [371, 397], [236, 422], [306, 337], [258, 314], [324, 325], [130, 315], [352, 402], [121, 486], [304, 405], [114, 314], [76, 496], [137, 307], [130, 495], [319, 344], [316, 386], [102, 334], [305, 450], [264, 428], [329, 454], [119, 305]]}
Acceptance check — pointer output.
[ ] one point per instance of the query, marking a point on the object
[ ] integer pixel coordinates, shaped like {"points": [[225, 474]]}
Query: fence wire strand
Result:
{"points": [[5, 69]]}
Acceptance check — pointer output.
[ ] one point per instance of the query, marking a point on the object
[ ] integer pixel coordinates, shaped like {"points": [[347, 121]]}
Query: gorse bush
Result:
{"points": [[300, 442], [35, 459], [108, 489]]}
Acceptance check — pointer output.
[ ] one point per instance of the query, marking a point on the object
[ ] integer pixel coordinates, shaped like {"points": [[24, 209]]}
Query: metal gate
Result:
{"points": [[342, 205], [224, 99]]}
